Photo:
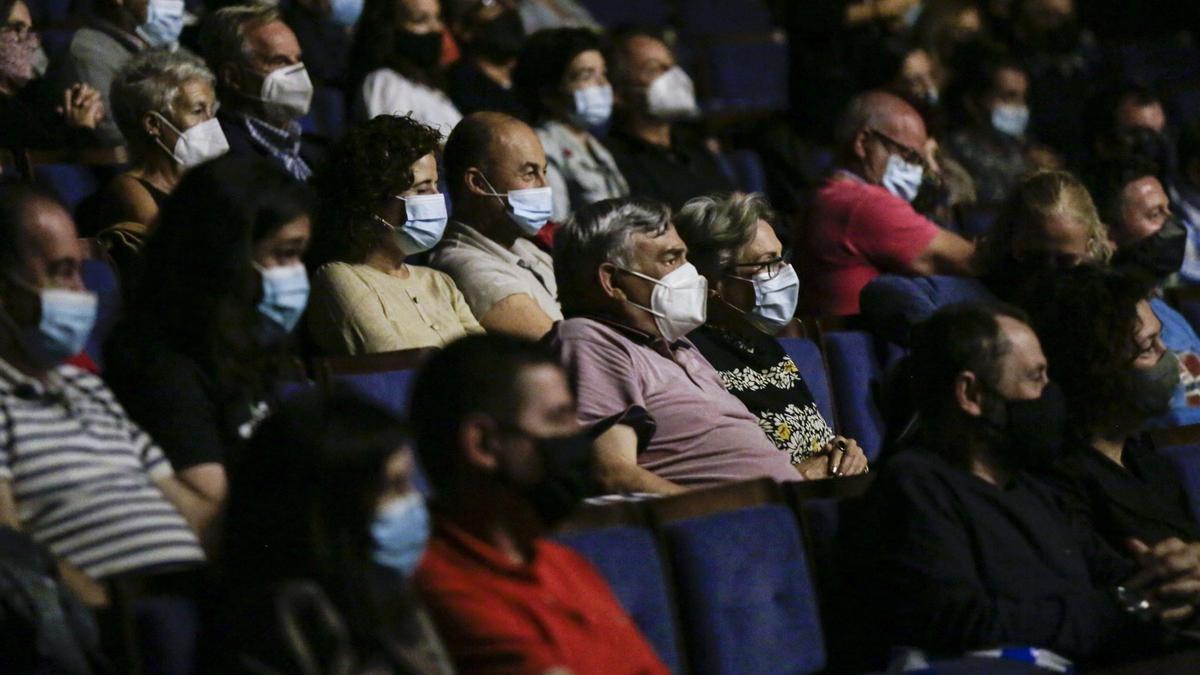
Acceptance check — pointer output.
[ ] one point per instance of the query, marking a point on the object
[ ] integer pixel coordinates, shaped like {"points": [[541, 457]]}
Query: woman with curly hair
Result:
{"points": [[381, 205], [1103, 344]]}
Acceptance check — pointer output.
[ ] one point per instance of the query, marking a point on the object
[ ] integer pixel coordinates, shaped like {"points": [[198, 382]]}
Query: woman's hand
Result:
{"points": [[82, 107]]}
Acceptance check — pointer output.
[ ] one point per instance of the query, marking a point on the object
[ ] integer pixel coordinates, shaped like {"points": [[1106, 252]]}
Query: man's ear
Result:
{"points": [[859, 146], [476, 183], [605, 274], [475, 436], [968, 393]]}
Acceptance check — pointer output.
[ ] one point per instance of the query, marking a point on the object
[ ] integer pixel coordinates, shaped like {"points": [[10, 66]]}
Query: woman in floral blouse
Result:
{"points": [[752, 295]]}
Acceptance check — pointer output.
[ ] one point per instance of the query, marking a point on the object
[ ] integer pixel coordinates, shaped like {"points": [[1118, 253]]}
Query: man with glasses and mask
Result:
{"points": [[861, 223], [496, 171], [262, 84], [497, 436], [631, 298], [962, 550], [75, 472]]}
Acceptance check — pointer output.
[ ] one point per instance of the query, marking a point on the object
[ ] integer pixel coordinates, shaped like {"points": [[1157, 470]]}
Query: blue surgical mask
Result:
{"points": [[164, 23], [593, 106], [67, 318], [285, 294], [1010, 119], [401, 532], [425, 221], [345, 13], [775, 300], [902, 178], [530, 208]]}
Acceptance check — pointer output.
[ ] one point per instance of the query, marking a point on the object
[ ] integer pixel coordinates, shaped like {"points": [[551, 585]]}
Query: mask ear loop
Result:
{"points": [[493, 192], [158, 139]]}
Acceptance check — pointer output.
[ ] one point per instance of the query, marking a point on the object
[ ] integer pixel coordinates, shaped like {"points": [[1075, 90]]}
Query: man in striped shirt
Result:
{"points": [[75, 472]]}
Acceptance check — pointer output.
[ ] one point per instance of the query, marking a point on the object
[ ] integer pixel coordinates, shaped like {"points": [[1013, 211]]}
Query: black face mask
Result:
{"points": [[500, 39], [1160, 255], [1032, 430], [568, 477], [423, 50]]}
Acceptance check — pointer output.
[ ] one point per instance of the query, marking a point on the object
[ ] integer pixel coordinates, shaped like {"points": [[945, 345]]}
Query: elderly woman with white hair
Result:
{"points": [[753, 292], [165, 106]]}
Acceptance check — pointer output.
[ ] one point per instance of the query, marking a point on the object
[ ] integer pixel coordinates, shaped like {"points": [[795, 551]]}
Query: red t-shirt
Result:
{"points": [[498, 617], [855, 232]]}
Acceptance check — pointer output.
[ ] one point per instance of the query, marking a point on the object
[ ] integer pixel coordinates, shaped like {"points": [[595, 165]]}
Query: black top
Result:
{"points": [[949, 562], [326, 45], [157, 195], [178, 402], [762, 376], [472, 91], [1144, 500], [672, 175]]}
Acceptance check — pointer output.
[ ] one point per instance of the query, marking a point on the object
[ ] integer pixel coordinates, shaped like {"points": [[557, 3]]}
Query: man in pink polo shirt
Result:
{"points": [[861, 223]]}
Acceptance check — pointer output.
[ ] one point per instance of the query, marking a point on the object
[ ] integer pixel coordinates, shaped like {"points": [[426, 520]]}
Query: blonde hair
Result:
{"points": [[1038, 197]]}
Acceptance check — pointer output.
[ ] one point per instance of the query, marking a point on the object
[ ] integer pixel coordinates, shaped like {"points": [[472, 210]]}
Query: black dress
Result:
{"points": [[762, 376]]}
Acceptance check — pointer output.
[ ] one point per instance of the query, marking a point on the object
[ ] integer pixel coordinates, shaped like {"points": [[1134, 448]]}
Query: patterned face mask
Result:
{"points": [[17, 56]]}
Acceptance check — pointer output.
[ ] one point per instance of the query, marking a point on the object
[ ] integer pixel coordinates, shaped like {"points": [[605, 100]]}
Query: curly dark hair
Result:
{"points": [[544, 61], [368, 165], [1086, 319]]}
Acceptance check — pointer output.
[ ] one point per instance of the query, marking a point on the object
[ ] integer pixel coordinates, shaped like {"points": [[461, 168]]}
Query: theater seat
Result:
{"points": [[722, 17], [746, 76], [745, 595], [327, 115], [99, 278], [748, 171], [857, 377], [167, 628], [72, 183], [629, 559], [613, 13], [807, 356]]}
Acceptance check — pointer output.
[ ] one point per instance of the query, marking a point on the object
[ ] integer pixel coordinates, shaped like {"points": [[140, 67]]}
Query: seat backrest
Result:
{"points": [[71, 183], [721, 17], [327, 114], [746, 76], [745, 594], [856, 377], [748, 170], [100, 278], [167, 631], [613, 13], [629, 559], [808, 359]]}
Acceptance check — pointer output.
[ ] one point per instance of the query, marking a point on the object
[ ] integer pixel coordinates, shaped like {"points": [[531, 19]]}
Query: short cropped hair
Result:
{"points": [[715, 228], [599, 233], [150, 82], [475, 375]]}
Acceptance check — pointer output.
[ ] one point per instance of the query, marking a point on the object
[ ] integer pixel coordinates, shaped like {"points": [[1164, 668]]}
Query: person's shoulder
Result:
{"points": [[432, 277], [584, 328]]}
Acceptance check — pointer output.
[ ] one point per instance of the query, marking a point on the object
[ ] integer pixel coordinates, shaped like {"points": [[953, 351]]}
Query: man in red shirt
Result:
{"points": [[861, 223], [497, 436]]}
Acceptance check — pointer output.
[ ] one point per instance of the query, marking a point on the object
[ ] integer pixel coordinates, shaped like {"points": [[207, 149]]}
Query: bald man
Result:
{"points": [[75, 472], [861, 223], [496, 171]]}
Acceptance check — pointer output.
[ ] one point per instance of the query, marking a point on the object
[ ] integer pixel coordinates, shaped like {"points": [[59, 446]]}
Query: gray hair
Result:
{"points": [[716, 228], [223, 33], [150, 82], [600, 233]]}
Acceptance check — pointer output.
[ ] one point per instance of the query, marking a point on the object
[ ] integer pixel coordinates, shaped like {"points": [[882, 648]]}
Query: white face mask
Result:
{"points": [[593, 106], [672, 95], [289, 89], [1010, 119], [775, 299], [901, 178], [679, 302], [424, 224], [198, 144]]}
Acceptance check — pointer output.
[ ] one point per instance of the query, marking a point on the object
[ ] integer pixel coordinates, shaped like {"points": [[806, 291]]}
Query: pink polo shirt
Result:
{"points": [[702, 434], [854, 232]]}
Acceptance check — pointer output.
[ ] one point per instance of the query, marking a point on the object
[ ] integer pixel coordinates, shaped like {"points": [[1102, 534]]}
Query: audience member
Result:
{"points": [[966, 551], [396, 63], [1184, 191], [323, 530], [562, 79], [166, 108], [508, 460], [753, 292], [22, 123], [325, 30], [195, 357], [945, 27], [651, 95], [116, 31], [75, 473], [632, 298], [547, 14], [490, 35], [861, 223], [380, 205], [1131, 121], [496, 171], [1116, 374], [263, 85]]}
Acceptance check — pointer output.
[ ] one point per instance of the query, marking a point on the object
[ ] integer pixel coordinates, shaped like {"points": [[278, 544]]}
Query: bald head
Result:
{"points": [[874, 126], [32, 225], [492, 152]]}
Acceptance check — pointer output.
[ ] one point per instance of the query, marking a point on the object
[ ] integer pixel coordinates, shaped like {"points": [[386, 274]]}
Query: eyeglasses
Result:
{"points": [[765, 268], [906, 153]]}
